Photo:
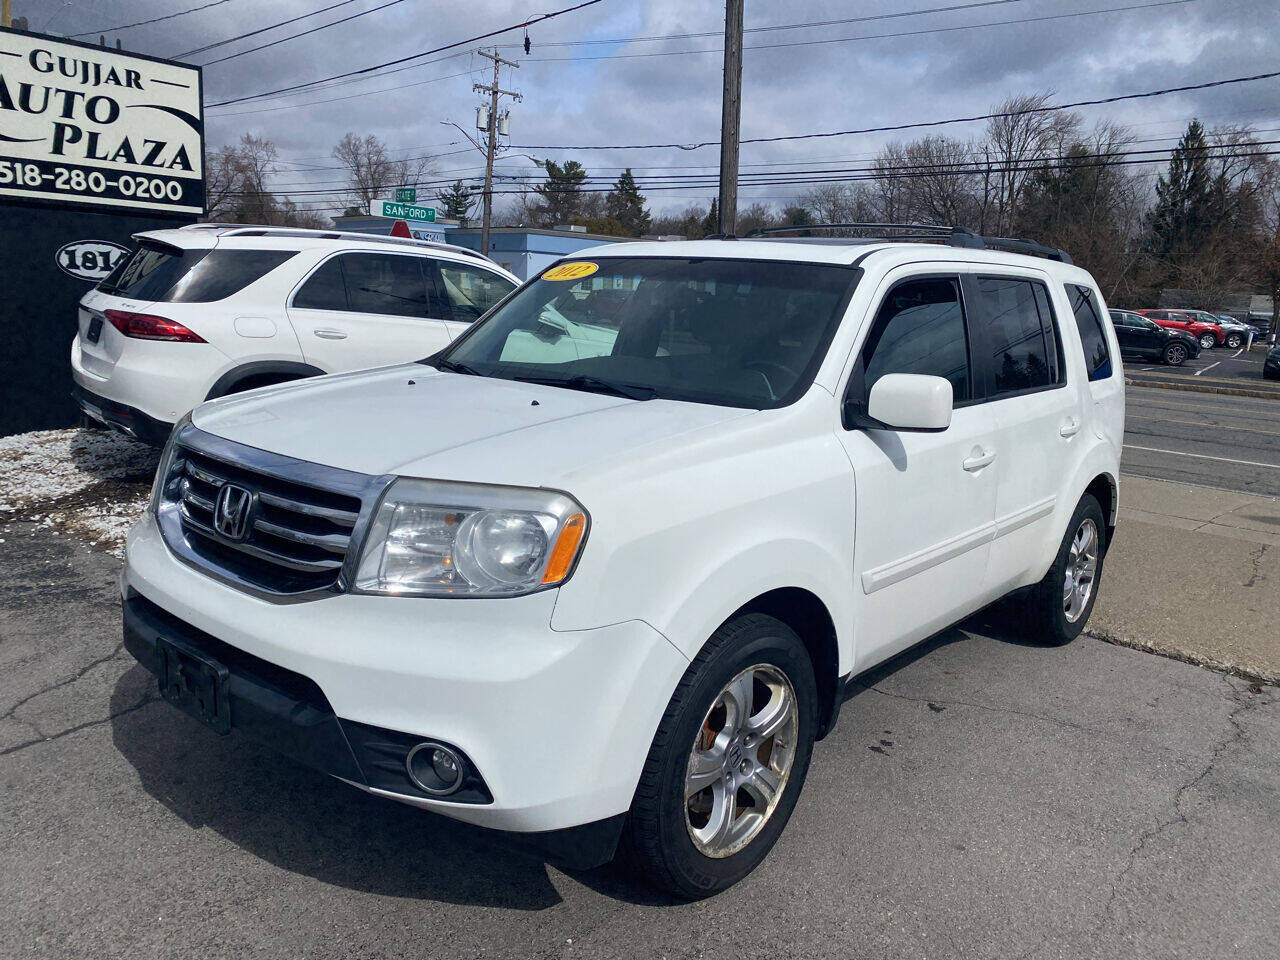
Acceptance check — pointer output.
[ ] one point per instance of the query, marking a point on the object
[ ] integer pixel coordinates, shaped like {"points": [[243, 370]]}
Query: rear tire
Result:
{"points": [[1056, 609], [752, 776], [1175, 354], [1208, 341], [1235, 341]]}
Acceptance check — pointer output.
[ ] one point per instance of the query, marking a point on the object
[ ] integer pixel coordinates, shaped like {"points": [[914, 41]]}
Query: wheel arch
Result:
{"points": [[226, 383], [1106, 491]]}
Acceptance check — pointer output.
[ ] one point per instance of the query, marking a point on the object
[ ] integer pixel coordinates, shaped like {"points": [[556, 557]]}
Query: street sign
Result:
{"points": [[406, 195], [401, 211]]}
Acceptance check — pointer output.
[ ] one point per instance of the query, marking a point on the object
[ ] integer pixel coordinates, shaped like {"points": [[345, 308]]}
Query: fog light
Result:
{"points": [[435, 769]]}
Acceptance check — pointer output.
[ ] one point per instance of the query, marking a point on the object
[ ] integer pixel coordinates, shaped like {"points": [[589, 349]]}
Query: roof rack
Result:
{"points": [[257, 230], [924, 232]]}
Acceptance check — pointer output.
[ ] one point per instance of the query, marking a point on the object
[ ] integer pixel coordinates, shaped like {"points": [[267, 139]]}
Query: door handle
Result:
{"points": [[978, 461], [1070, 428], [327, 333]]}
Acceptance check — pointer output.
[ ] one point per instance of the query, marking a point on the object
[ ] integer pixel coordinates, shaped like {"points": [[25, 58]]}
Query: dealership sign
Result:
{"points": [[90, 259], [84, 125]]}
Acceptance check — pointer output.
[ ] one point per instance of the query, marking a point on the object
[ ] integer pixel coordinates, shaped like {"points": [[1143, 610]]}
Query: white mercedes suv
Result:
{"points": [[213, 309], [603, 569]]}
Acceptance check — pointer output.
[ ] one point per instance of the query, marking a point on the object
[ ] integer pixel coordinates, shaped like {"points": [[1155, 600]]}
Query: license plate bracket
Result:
{"points": [[94, 333], [194, 683]]}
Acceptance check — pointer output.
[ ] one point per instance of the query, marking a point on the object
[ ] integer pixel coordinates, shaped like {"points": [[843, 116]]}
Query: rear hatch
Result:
{"points": [[140, 282]]}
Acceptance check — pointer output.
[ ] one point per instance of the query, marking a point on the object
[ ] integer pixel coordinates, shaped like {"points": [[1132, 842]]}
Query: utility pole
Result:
{"points": [[494, 92], [730, 116], [6, 13]]}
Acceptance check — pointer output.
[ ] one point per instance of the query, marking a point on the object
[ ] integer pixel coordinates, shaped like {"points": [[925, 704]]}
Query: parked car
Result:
{"points": [[214, 309], [1271, 366], [1209, 334], [615, 598], [1141, 337], [1234, 334]]}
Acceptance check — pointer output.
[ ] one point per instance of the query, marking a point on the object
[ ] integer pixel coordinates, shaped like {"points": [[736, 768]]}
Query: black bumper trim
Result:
{"points": [[128, 420]]}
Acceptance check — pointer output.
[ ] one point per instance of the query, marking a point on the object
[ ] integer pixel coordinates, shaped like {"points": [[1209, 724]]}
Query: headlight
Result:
{"points": [[435, 539], [165, 466]]}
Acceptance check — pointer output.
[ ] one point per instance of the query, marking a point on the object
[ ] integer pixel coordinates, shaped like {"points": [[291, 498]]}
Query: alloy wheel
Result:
{"points": [[1176, 355], [1082, 570], [741, 759], [1207, 341]]}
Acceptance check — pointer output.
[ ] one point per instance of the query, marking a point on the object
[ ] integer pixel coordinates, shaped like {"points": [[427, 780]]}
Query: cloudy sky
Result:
{"points": [[590, 79]]}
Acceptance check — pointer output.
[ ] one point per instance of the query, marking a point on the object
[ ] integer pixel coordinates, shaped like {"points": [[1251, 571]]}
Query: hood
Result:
{"points": [[413, 420]]}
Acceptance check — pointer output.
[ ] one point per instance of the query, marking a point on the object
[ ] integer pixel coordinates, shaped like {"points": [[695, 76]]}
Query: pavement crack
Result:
{"points": [[989, 708], [1244, 701], [78, 727], [119, 649], [1256, 575]]}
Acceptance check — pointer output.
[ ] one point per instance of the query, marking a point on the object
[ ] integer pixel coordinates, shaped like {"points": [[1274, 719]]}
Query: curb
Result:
{"points": [[1252, 674], [1201, 387]]}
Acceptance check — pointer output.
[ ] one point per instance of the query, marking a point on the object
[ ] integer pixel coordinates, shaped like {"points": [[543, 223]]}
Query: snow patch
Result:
{"points": [[48, 465]]}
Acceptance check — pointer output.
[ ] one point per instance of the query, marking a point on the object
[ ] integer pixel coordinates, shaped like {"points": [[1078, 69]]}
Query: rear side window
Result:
{"points": [[150, 271], [1097, 358], [920, 328], [170, 275], [324, 289], [1019, 329], [224, 272], [469, 292]]}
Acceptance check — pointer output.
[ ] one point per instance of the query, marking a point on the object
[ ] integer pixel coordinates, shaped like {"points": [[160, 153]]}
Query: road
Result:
{"points": [[1210, 439], [1244, 369], [980, 798]]}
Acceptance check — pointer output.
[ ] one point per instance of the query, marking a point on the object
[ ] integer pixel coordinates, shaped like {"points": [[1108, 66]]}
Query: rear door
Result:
{"points": [[1041, 414], [367, 309]]}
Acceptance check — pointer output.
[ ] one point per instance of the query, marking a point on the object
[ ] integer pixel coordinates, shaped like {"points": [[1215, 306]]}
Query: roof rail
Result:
{"points": [[925, 232], [258, 230]]}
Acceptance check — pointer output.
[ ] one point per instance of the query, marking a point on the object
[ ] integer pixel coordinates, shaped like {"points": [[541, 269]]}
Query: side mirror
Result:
{"points": [[911, 401]]}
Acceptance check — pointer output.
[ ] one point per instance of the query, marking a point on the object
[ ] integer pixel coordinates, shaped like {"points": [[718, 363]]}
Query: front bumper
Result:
{"points": [[557, 724]]}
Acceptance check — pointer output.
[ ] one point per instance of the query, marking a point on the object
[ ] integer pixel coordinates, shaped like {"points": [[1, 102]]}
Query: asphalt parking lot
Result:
{"points": [[1243, 368], [979, 798]]}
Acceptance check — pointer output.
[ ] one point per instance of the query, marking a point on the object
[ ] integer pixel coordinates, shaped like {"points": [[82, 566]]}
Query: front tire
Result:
{"points": [[1208, 341], [728, 761], [1175, 354], [1057, 608]]}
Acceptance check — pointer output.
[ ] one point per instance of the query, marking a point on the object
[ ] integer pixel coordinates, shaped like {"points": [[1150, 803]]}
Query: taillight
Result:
{"points": [[144, 326]]}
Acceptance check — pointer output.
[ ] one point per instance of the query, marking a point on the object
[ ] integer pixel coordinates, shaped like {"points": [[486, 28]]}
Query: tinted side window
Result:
{"points": [[224, 272], [469, 292], [1089, 322], [1019, 334], [324, 289], [920, 328], [151, 271], [385, 283]]}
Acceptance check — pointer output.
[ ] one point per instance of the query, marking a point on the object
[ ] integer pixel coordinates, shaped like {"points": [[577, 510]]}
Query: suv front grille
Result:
{"points": [[295, 536]]}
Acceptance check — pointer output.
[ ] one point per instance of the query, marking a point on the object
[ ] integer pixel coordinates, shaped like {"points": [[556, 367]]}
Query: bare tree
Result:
{"points": [[1025, 133], [255, 162], [371, 172], [756, 217], [840, 203]]}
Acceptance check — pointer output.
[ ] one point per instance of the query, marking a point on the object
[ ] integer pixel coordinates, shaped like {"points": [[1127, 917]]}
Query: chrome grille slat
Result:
{"points": [[302, 566], [333, 542], [341, 517]]}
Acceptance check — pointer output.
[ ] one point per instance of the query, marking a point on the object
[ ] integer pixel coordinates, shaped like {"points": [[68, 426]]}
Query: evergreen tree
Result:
{"points": [[562, 192], [711, 222], [625, 204], [457, 201], [1183, 215]]}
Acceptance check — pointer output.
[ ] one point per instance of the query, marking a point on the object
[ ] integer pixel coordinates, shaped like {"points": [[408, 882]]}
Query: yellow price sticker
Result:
{"points": [[571, 271]]}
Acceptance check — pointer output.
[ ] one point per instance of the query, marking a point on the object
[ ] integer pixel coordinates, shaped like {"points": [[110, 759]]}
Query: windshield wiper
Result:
{"points": [[632, 391], [454, 367]]}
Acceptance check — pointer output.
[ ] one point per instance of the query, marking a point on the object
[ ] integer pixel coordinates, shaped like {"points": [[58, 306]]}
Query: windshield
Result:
{"points": [[739, 333]]}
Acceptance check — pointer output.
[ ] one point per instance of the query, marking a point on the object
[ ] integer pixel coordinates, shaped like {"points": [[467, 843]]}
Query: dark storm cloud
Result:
{"points": [[676, 98]]}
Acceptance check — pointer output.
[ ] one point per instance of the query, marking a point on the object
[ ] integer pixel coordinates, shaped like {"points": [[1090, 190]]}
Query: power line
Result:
{"points": [[350, 96], [540, 18], [143, 23], [776, 26], [914, 126], [874, 36], [303, 33], [271, 26]]}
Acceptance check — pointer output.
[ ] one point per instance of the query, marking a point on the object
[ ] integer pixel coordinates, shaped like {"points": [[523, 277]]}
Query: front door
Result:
{"points": [[925, 502], [363, 310]]}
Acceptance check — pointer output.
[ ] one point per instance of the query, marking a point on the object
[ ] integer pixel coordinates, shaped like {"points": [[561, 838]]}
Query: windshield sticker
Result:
{"points": [[575, 270]]}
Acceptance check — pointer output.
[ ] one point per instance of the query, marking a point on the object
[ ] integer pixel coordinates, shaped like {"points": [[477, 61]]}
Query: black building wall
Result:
{"points": [[38, 307]]}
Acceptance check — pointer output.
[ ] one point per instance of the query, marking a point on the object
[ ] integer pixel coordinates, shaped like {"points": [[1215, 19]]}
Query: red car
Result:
{"points": [[1209, 334]]}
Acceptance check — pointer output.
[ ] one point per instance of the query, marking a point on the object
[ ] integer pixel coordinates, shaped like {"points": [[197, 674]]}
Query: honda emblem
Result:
{"points": [[233, 512]]}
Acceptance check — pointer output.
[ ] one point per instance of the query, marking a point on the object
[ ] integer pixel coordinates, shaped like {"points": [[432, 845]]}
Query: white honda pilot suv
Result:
{"points": [[603, 569], [213, 309]]}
